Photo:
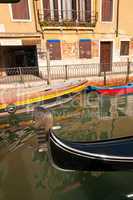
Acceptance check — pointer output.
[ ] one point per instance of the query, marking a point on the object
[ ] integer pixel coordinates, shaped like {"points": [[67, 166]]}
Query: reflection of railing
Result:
{"points": [[119, 69], [67, 18]]}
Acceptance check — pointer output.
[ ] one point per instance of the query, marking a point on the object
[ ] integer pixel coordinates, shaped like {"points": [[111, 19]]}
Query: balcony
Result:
{"points": [[67, 18]]}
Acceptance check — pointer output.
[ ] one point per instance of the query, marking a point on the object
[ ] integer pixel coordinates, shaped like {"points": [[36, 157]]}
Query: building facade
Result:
{"points": [[19, 39], [66, 32], [86, 31]]}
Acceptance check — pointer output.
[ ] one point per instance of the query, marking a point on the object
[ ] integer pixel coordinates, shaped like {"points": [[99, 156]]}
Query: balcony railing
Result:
{"points": [[67, 18]]}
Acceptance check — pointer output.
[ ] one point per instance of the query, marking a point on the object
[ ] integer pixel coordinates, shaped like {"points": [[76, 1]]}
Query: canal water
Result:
{"points": [[26, 174]]}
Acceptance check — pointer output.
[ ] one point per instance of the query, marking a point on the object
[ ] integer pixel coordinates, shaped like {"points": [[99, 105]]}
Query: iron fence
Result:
{"points": [[110, 71], [87, 70], [92, 71], [18, 74]]}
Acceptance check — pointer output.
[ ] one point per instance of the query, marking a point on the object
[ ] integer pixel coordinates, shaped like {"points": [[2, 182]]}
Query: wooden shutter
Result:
{"points": [[21, 10], [46, 9], [85, 48], [107, 9], [124, 48], [88, 10], [56, 14], [74, 10], [54, 49]]}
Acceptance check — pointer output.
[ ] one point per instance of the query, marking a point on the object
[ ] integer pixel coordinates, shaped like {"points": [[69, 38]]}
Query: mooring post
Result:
{"points": [[43, 123], [128, 70], [105, 80]]}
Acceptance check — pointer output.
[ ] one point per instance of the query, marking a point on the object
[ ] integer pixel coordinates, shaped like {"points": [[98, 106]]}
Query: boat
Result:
{"points": [[46, 96], [112, 91], [104, 155], [24, 116]]}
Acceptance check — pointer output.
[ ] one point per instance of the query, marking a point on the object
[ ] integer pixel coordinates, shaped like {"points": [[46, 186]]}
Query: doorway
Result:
{"points": [[106, 56]]}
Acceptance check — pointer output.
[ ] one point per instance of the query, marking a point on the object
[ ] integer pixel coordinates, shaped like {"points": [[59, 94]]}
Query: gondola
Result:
{"points": [[106, 155], [112, 91]]}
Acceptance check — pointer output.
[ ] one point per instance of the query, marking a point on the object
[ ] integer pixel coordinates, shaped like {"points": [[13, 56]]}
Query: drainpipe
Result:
{"points": [[96, 7], [35, 9], [117, 18], [96, 10]]}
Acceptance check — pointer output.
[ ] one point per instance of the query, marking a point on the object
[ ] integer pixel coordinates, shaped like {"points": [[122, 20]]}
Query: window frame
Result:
{"points": [[21, 20], [121, 55], [101, 20]]}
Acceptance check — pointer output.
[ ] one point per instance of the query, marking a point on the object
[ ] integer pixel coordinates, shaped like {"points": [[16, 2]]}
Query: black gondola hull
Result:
{"points": [[67, 159]]}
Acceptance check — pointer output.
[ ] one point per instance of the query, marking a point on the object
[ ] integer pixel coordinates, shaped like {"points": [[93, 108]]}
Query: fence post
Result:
{"points": [[66, 72], [105, 78], [20, 71], [128, 70], [48, 67]]}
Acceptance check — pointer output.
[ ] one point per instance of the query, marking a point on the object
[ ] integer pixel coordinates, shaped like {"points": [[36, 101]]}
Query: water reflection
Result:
{"points": [[96, 117], [87, 117], [27, 174]]}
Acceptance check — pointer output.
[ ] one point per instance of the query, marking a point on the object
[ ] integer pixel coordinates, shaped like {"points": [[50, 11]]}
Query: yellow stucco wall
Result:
{"points": [[16, 26], [126, 17]]}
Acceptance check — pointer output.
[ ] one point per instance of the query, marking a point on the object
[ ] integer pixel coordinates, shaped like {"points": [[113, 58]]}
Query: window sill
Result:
{"points": [[22, 20]]}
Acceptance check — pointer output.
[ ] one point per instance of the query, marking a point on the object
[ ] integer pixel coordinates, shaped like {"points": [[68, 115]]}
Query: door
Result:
{"points": [[105, 56]]}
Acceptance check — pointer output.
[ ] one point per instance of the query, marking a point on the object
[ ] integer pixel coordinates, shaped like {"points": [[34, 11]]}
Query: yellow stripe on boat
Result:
{"points": [[53, 94]]}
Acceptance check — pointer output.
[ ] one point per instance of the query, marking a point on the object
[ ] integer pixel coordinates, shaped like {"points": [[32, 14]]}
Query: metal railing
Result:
{"points": [[65, 72], [67, 18], [18, 74], [119, 69]]}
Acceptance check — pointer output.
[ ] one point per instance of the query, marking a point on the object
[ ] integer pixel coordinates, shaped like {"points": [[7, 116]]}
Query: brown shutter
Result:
{"points": [[88, 10], [46, 8], [124, 48], [21, 10], [54, 49], [85, 48], [74, 10], [56, 14], [107, 9]]}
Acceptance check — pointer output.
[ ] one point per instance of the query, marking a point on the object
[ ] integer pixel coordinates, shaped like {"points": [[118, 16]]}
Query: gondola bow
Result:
{"points": [[106, 155]]}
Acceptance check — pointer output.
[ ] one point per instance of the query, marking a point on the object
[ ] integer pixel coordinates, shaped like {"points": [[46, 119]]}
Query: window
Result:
{"points": [[85, 48], [124, 51], [74, 10], [87, 10], [107, 10], [46, 7], [67, 10], [20, 11], [54, 49], [56, 14]]}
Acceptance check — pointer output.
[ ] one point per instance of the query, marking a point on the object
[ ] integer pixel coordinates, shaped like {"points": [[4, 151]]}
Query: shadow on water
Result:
{"points": [[27, 174]]}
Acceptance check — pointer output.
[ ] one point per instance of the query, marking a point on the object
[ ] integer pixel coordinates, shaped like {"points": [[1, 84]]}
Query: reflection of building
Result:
{"points": [[116, 106], [129, 107], [19, 39]]}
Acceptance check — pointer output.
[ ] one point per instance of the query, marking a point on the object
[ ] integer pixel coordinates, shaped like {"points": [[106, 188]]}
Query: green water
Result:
{"points": [[26, 174]]}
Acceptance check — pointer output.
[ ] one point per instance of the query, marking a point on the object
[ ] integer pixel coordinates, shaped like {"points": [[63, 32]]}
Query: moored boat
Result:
{"points": [[46, 96], [112, 91], [106, 155]]}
